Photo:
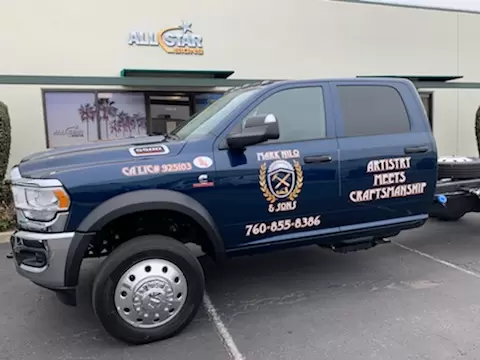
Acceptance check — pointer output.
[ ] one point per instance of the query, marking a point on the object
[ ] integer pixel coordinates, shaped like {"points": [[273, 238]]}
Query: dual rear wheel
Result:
{"points": [[148, 289]]}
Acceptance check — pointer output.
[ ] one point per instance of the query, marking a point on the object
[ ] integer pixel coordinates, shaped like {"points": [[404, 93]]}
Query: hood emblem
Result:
{"points": [[149, 150]]}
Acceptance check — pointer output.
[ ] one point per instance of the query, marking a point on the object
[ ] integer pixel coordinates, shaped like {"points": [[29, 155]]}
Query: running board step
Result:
{"points": [[358, 244]]}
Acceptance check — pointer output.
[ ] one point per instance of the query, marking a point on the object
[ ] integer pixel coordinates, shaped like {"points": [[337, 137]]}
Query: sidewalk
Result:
{"points": [[5, 236]]}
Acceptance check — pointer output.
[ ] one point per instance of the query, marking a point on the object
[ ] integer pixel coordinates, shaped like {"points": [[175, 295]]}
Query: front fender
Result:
{"points": [[132, 202]]}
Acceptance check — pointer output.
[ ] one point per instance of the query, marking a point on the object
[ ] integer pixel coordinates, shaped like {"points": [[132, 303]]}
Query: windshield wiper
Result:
{"points": [[166, 135]]}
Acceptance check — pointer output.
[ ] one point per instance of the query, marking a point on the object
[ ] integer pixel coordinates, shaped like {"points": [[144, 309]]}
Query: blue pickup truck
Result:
{"points": [[341, 163]]}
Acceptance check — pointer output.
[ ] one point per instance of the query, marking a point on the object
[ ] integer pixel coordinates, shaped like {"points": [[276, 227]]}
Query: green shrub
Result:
{"points": [[7, 209], [5, 139]]}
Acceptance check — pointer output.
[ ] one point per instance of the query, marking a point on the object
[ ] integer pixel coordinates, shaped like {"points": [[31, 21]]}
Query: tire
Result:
{"points": [[458, 167], [148, 257]]}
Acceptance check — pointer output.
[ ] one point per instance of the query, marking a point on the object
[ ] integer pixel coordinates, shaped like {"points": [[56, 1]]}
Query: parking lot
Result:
{"points": [[416, 298]]}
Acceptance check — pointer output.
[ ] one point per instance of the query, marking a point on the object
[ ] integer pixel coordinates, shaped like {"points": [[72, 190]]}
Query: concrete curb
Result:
{"points": [[5, 236]]}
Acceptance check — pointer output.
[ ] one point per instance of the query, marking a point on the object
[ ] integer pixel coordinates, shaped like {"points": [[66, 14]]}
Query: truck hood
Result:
{"points": [[44, 164]]}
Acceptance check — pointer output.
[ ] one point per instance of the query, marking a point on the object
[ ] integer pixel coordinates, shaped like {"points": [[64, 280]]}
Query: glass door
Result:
{"points": [[167, 112]]}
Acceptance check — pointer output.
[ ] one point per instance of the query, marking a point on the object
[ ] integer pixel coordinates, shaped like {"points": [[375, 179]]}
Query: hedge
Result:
{"points": [[7, 213]]}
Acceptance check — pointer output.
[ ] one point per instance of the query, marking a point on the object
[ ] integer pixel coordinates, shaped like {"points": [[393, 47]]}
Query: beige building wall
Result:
{"points": [[256, 39]]}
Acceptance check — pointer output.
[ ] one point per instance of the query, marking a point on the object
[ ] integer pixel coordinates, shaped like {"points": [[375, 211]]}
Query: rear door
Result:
{"points": [[388, 156]]}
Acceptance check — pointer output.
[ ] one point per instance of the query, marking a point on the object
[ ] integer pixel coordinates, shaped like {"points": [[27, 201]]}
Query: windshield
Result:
{"points": [[207, 119]]}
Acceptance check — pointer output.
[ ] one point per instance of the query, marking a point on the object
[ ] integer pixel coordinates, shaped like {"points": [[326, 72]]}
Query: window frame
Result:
{"points": [[191, 93], [429, 96], [330, 131], [95, 92], [339, 111]]}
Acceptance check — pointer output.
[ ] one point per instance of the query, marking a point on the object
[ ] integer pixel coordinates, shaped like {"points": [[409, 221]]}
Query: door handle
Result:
{"points": [[317, 159], [416, 149]]}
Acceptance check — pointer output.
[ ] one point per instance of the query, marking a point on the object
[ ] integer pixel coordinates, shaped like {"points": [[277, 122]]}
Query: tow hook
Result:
{"points": [[442, 199]]}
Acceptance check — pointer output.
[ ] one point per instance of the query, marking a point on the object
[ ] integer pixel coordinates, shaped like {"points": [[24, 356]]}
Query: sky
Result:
{"points": [[461, 5]]}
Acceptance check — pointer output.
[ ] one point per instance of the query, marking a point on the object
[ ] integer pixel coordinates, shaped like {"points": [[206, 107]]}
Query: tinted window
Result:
{"points": [[372, 110], [300, 113]]}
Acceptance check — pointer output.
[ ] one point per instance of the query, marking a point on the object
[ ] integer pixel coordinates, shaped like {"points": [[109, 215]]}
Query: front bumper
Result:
{"points": [[51, 260], [42, 257]]}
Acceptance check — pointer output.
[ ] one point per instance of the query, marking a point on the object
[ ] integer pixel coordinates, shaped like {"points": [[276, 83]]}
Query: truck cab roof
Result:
{"points": [[274, 83]]}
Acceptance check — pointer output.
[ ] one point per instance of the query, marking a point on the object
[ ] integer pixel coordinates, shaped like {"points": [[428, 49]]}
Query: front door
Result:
{"points": [[285, 188]]}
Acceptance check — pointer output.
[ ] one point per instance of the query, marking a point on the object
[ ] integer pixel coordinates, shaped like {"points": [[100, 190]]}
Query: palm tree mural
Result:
{"points": [[91, 112], [140, 122], [114, 127], [121, 120], [87, 114], [117, 121], [83, 112], [106, 111], [126, 124]]}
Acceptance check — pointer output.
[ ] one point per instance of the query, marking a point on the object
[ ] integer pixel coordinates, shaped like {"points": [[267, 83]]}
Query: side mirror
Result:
{"points": [[258, 128]]}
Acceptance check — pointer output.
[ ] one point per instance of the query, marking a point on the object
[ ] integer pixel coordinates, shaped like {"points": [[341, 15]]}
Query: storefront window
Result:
{"points": [[74, 118], [121, 115], [70, 118]]}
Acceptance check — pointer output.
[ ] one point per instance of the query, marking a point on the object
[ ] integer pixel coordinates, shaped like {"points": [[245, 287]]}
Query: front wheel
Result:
{"points": [[148, 289]]}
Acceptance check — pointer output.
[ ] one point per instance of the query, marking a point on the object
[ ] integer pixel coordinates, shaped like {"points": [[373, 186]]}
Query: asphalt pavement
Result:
{"points": [[416, 298]]}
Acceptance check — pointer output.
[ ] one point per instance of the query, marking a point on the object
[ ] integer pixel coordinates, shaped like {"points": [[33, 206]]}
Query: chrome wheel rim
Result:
{"points": [[150, 293]]}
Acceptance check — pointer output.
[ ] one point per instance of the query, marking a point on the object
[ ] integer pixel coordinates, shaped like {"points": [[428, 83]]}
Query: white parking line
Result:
{"points": [[446, 263], [227, 339]]}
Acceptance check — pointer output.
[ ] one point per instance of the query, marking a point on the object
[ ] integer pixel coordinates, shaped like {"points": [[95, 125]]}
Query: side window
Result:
{"points": [[372, 110], [300, 113]]}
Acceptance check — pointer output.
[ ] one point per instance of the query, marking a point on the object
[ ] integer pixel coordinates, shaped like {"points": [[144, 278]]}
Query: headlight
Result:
{"points": [[40, 204], [39, 200]]}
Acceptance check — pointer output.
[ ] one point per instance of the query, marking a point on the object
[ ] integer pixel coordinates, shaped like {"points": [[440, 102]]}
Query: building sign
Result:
{"points": [[452, 5], [175, 40], [71, 131]]}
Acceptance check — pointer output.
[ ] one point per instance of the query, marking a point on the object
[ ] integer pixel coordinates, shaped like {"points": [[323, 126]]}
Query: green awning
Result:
{"points": [[129, 81], [204, 74]]}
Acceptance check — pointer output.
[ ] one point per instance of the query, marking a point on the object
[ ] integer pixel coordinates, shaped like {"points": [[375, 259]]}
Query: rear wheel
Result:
{"points": [[148, 289]]}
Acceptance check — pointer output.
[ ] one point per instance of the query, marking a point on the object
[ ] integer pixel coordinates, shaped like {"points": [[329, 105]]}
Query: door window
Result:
{"points": [[300, 113], [372, 110]]}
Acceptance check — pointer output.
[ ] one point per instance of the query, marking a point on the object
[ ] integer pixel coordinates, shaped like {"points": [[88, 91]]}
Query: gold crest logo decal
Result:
{"points": [[281, 183]]}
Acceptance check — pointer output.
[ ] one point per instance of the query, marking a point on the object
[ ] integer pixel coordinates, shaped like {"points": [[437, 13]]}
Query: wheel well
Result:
{"points": [[164, 222]]}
